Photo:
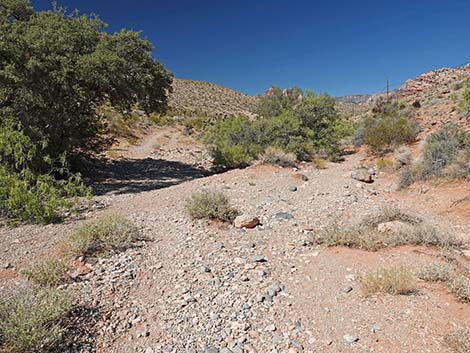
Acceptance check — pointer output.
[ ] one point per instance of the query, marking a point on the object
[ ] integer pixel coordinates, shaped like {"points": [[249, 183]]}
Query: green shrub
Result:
{"points": [[160, 120], [47, 274], [309, 127], [31, 319], [389, 129], [209, 204], [449, 145], [197, 124], [464, 104], [57, 67], [104, 235], [27, 195]]}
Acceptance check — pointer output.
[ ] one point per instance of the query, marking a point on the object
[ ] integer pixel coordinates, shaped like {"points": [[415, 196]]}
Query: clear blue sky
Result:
{"points": [[337, 46]]}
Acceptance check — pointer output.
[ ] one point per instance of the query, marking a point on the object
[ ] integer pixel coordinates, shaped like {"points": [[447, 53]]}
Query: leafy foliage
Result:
{"points": [[390, 126], [57, 68], [305, 128], [25, 194]]}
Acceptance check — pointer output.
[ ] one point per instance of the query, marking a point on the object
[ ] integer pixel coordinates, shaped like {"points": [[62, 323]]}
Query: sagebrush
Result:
{"points": [[212, 205]]}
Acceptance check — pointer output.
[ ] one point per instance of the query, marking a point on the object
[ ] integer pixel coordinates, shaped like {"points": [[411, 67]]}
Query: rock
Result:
{"points": [[149, 350], [293, 188], [246, 221], [7, 265], [270, 328], [394, 227], [301, 177], [259, 258], [283, 216], [362, 174], [351, 338], [209, 349], [347, 289]]}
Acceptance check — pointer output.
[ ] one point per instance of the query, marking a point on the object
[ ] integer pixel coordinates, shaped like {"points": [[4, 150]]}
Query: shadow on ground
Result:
{"points": [[125, 176]]}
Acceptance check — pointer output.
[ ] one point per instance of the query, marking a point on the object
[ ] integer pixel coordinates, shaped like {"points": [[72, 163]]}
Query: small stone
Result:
{"points": [[205, 269], [246, 221], [347, 289], [149, 350], [375, 328], [283, 216], [7, 265], [209, 349], [351, 338], [362, 174], [301, 177], [293, 188], [259, 258], [270, 328]]}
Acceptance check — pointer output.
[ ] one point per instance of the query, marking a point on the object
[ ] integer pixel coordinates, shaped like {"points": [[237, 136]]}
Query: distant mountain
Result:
{"points": [[190, 98], [355, 98]]}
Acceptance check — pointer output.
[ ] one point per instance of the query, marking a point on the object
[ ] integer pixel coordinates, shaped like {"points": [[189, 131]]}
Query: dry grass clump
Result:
{"points": [[395, 281], [51, 273], [212, 205], [276, 156], [436, 272], [459, 340], [107, 234], [31, 320], [404, 228], [460, 287]]}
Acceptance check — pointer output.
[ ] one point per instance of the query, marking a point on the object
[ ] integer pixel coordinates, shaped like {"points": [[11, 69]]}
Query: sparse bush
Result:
{"points": [[366, 235], [31, 319], [436, 272], [384, 164], [47, 274], [460, 287], [402, 156], [443, 148], [395, 281], [212, 205], [161, 120], [464, 104], [197, 124], [406, 178], [276, 156], [459, 340], [106, 234], [389, 129]]}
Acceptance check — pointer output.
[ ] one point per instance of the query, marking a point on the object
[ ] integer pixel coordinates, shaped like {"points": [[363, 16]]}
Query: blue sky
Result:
{"points": [[339, 47]]}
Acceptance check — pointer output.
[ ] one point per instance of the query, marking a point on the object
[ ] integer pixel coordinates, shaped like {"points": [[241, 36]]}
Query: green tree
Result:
{"points": [[57, 68]]}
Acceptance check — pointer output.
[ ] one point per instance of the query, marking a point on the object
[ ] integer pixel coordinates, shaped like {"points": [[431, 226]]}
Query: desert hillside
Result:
{"points": [[191, 98]]}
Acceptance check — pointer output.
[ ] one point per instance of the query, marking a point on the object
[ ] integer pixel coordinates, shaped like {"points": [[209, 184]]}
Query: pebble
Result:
{"points": [[351, 338]]}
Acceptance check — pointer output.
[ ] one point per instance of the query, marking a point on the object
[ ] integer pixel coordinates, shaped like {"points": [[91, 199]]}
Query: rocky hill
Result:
{"points": [[191, 98]]}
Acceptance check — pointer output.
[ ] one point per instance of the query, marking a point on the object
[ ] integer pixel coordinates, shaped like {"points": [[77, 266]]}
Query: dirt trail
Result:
{"points": [[207, 288]]}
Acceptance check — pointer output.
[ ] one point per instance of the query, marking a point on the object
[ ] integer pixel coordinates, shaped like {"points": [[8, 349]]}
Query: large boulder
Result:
{"points": [[362, 174], [246, 221]]}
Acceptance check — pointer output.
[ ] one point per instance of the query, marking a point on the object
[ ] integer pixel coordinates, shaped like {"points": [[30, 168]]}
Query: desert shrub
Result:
{"points": [[161, 120], [212, 205], [383, 163], [276, 156], [395, 281], [449, 145], [27, 195], [460, 287], [48, 274], [31, 319], [411, 230], [402, 156], [464, 104], [197, 124], [57, 68], [436, 272], [106, 234], [276, 101], [389, 129], [459, 340], [406, 178]]}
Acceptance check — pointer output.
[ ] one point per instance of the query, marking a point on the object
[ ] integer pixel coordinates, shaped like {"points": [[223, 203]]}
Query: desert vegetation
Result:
{"points": [[49, 100], [304, 126], [395, 281], [211, 205]]}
